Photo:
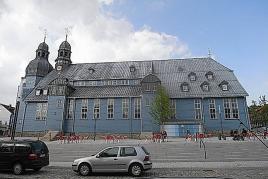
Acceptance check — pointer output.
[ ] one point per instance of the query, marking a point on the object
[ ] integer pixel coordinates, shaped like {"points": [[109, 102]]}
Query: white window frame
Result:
{"points": [[84, 108], [224, 87], [96, 109], [231, 109], [198, 109], [110, 108], [212, 109], [38, 92], [137, 108], [70, 109], [185, 88], [41, 111], [192, 78], [210, 77], [125, 108], [45, 92]]}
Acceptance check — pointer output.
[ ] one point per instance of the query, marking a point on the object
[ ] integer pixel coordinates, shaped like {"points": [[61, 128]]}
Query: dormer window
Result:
{"points": [[38, 92], [45, 92], [132, 68], [185, 87], [91, 70], [205, 86], [209, 75], [224, 85], [192, 76]]}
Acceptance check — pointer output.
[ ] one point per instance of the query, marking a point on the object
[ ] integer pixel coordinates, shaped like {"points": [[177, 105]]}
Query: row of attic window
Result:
{"points": [[209, 75], [224, 85]]}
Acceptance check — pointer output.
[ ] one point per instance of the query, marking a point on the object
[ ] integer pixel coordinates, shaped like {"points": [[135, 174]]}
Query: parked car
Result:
{"points": [[24, 154], [131, 159]]}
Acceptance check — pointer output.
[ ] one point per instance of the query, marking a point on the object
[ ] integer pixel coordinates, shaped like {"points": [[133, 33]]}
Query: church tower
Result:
{"points": [[64, 56], [37, 69]]}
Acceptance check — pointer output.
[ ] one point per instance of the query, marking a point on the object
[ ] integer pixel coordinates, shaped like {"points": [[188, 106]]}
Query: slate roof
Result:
{"points": [[172, 73]]}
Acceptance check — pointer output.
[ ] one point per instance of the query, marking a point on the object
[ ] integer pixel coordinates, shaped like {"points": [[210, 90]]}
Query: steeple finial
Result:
{"points": [[45, 34], [67, 32]]}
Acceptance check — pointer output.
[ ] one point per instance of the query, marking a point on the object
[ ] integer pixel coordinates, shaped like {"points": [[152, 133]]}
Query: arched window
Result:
{"points": [[61, 53]]}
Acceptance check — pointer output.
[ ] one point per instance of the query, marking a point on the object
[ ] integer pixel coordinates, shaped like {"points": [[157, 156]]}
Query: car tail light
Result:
{"points": [[146, 158], [32, 157]]}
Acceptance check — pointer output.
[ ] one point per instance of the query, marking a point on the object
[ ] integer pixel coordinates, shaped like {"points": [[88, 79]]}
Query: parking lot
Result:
{"points": [[176, 158]]}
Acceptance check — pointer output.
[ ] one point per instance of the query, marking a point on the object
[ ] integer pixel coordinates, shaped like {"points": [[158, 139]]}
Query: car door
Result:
{"points": [[6, 155], [106, 161], [126, 155]]}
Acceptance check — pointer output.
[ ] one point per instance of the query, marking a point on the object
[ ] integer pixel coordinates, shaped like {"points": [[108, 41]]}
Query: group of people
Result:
{"points": [[239, 136]]}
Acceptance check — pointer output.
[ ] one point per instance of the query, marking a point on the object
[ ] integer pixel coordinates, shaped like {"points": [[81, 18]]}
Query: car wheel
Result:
{"points": [[37, 169], [84, 169], [17, 169], [135, 170]]}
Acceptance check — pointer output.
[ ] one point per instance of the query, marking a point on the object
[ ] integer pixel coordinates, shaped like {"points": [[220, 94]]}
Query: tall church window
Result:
{"points": [[173, 108], [96, 109], [231, 108], [70, 109], [84, 108], [197, 107], [110, 108], [41, 111], [212, 109], [125, 108], [137, 108]]}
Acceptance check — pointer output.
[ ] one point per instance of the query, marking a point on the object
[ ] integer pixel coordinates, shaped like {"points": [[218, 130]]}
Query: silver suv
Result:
{"points": [[132, 159]]}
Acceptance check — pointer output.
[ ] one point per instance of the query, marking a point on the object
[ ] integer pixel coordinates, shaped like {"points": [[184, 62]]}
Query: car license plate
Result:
{"points": [[42, 155]]}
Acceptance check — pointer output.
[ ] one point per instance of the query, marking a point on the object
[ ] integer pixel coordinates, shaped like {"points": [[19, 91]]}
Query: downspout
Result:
{"points": [[74, 108], [247, 114], [22, 126]]}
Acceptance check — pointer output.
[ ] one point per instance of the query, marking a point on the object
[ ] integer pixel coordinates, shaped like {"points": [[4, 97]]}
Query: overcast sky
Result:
{"points": [[116, 30]]}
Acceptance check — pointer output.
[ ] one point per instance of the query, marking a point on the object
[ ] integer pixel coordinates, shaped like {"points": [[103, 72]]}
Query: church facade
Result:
{"points": [[115, 97]]}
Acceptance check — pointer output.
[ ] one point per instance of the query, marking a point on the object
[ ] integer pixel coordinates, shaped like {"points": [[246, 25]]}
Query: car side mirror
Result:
{"points": [[98, 156]]}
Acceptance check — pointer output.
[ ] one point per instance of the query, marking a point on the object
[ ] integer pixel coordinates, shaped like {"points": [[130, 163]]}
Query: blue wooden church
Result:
{"points": [[115, 97]]}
